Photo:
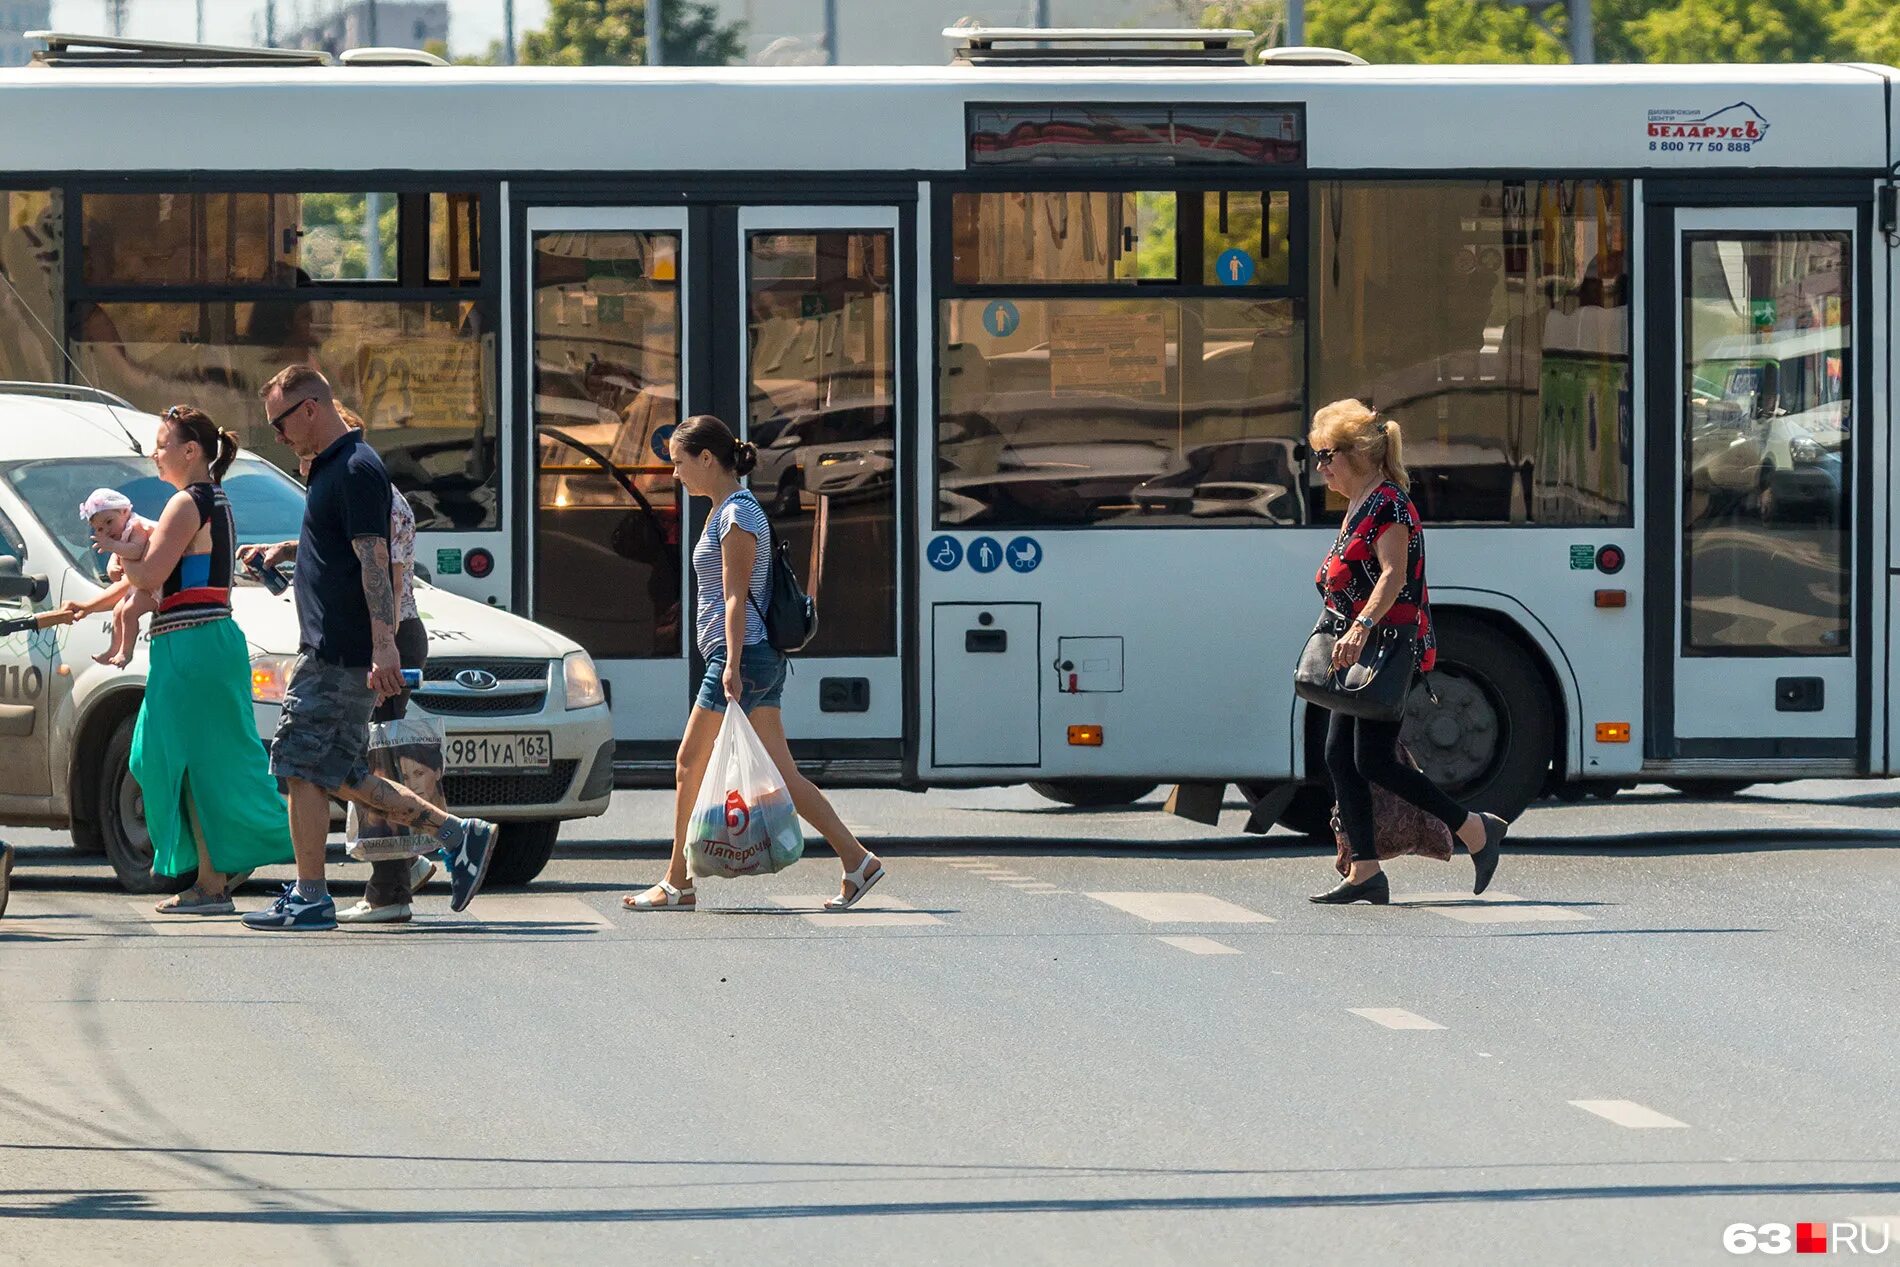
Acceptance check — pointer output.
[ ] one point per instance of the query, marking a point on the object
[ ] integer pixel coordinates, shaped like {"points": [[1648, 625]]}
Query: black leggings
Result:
{"points": [[1360, 753]]}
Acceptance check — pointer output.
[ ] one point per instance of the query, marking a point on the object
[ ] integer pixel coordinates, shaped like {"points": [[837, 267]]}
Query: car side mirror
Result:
{"points": [[13, 584], [423, 574], [785, 440]]}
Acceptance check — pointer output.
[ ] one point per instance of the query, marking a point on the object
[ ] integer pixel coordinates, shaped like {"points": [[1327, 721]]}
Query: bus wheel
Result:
{"points": [[1488, 742], [122, 819], [1710, 789], [522, 850], [1094, 793]]}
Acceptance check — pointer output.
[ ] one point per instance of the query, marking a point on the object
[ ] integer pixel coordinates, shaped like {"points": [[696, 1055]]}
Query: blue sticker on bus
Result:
{"points": [[661, 439], [945, 553], [1025, 554], [1001, 318], [985, 555], [1234, 268]]}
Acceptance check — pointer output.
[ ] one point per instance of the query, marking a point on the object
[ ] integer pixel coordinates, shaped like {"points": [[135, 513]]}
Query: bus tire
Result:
{"points": [[1310, 812], [1094, 793], [122, 819], [1490, 740], [521, 851], [1710, 789]]}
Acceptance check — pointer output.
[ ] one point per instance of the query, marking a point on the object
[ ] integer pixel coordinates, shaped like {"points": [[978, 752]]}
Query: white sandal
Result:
{"points": [[675, 900], [860, 883]]}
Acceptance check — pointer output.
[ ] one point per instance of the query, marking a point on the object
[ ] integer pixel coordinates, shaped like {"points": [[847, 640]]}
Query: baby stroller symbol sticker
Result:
{"points": [[1025, 554]]}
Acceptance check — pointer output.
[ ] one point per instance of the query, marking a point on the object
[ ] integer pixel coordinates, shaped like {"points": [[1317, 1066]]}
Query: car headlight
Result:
{"points": [[269, 675], [583, 680], [1804, 452]]}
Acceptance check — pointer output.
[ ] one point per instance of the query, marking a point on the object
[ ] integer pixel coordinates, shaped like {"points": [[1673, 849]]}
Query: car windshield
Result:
{"points": [[266, 503]]}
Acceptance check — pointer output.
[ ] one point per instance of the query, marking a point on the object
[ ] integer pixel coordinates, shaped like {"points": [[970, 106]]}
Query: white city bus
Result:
{"points": [[1028, 343]]}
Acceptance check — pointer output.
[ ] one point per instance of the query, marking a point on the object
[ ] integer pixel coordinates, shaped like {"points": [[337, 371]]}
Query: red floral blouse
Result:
{"points": [[1351, 567]]}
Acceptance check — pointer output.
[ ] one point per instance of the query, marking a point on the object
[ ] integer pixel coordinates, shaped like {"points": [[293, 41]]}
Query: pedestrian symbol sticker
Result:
{"points": [[1001, 318], [1234, 268], [945, 553], [1025, 554], [662, 438], [985, 555]]}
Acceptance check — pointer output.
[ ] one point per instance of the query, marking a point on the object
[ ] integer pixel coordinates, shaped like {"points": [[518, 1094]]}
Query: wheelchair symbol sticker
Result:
{"points": [[1025, 554], [1001, 318], [661, 439], [945, 553], [1234, 268], [985, 555]]}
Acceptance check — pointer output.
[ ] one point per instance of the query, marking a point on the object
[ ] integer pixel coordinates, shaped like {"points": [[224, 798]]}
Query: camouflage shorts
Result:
{"points": [[323, 735]]}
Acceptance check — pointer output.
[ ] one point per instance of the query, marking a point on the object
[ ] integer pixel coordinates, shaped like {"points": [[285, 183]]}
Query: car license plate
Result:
{"points": [[497, 753]]}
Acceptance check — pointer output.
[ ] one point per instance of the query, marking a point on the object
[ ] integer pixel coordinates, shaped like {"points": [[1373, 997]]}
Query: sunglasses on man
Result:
{"points": [[277, 423]]}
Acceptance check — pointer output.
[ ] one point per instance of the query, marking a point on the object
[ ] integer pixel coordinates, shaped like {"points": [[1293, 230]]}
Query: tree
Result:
{"points": [[613, 33]]}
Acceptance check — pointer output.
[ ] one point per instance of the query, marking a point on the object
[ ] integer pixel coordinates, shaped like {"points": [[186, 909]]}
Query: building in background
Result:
{"points": [[871, 32], [17, 17], [401, 25]]}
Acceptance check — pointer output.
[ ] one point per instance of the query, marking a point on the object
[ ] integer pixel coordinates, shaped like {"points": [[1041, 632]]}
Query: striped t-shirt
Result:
{"points": [[743, 509]]}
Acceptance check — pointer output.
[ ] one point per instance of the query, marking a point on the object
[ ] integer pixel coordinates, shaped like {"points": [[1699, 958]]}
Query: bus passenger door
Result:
{"points": [[820, 397], [607, 378], [1771, 632]]}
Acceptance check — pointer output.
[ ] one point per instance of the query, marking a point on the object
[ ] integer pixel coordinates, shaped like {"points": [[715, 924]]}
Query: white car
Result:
{"points": [[530, 742]]}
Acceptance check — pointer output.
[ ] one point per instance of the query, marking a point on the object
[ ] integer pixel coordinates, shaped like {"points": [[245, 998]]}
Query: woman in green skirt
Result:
{"points": [[210, 803]]}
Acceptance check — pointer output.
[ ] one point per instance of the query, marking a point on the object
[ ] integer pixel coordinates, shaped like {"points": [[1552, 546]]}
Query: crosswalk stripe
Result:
{"points": [[1394, 1018], [1492, 908], [531, 908], [1181, 908], [1199, 945], [873, 912], [1630, 1114]]}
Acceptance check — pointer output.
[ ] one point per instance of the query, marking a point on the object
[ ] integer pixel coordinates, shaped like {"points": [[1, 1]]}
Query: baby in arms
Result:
{"points": [[118, 532]]}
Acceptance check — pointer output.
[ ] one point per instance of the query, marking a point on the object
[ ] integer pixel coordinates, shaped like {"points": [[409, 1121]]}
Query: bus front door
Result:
{"points": [[1768, 630]]}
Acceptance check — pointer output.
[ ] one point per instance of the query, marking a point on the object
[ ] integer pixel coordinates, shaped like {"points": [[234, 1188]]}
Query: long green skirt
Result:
{"points": [[195, 754]]}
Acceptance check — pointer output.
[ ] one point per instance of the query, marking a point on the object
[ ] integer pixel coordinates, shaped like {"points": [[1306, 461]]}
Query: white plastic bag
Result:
{"points": [[409, 752], [743, 821]]}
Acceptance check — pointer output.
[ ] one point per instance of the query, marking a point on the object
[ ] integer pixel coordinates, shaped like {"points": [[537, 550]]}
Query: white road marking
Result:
{"points": [[1492, 908], [873, 912], [1394, 1018], [1199, 945], [527, 909], [1631, 1114], [1181, 908]]}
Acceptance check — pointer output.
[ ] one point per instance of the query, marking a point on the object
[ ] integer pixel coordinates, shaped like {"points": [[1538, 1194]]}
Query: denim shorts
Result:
{"points": [[762, 673], [323, 735]]}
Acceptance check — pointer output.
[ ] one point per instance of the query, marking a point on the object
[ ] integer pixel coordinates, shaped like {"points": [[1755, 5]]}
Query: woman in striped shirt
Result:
{"points": [[733, 566]]}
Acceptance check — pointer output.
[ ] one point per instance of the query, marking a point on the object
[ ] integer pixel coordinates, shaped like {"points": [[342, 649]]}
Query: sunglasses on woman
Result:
{"points": [[1324, 457]]}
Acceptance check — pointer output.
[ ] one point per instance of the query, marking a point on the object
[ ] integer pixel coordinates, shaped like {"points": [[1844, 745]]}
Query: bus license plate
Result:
{"points": [[496, 753]]}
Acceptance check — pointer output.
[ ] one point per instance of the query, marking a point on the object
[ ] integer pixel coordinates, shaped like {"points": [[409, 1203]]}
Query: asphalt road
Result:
{"points": [[1054, 1037]]}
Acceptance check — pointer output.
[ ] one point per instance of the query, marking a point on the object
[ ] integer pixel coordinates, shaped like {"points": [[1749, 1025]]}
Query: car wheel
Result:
{"points": [[521, 852], [1488, 742], [128, 845], [1094, 793], [787, 501]]}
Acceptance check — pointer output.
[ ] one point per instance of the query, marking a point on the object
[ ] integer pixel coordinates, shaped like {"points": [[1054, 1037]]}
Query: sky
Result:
{"points": [[472, 23]]}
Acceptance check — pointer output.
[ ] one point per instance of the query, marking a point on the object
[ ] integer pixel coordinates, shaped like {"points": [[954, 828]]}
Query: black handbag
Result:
{"points": [[1376, 688]]}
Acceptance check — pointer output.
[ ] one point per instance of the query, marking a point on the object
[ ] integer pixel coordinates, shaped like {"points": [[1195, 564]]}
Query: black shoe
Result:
{"points": [[1487, 862], [1377, 890]]}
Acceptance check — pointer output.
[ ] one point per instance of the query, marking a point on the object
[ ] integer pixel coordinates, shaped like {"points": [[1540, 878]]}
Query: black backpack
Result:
{"points": [[790, 614]]}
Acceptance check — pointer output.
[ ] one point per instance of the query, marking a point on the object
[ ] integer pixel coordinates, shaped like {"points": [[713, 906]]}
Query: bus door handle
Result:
{"points": [[986, 641]]}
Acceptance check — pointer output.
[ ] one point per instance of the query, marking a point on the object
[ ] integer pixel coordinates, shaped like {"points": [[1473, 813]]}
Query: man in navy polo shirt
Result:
{"points": [[347, 661]]}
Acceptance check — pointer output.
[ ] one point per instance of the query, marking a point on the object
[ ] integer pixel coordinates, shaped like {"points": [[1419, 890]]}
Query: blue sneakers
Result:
{"points": [[467, 853], [292, 914]]}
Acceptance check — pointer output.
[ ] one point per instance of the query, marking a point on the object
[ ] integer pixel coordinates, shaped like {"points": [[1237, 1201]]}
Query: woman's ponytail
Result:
{"points": [[1392, 461], [226, 454]]}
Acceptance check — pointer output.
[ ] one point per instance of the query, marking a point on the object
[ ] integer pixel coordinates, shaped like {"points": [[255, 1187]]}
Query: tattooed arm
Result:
{"points": [[379, 594]]}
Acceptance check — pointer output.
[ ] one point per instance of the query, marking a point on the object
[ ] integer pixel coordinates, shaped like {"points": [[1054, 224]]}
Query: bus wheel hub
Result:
{"points": [[1456, 742]]}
